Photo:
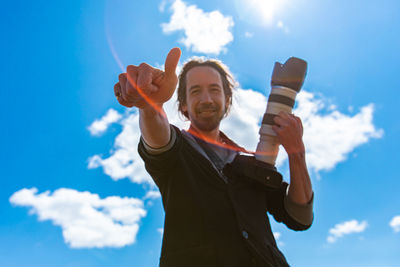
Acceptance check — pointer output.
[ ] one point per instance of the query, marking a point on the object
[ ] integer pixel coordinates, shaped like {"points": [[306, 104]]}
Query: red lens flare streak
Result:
{"points": [[161, 111]]}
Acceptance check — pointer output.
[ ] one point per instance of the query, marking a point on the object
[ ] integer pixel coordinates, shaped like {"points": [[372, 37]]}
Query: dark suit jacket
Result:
{"points": [[210, 221]]}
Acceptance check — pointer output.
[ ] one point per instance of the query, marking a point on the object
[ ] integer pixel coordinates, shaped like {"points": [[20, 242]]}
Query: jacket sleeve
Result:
{"points": [[296, 217], [160, 162]]}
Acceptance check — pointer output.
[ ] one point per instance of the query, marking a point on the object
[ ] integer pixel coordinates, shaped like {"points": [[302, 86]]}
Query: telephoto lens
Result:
{"points": [[287, 80]]}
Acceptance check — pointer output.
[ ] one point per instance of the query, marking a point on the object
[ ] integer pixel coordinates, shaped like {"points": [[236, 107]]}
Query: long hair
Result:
{"points": [[228, 82]]}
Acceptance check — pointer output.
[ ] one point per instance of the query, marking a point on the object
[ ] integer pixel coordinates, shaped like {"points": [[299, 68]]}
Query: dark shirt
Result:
{"points": [[212, 219]]}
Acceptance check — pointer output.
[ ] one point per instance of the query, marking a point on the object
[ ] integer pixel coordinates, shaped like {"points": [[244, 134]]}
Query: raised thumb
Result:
{"points": [[172, 60]]}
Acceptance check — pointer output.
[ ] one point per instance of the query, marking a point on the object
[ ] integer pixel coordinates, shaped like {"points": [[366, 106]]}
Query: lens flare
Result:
{"points": [[268, 7], [123, 69], [259, 12]]}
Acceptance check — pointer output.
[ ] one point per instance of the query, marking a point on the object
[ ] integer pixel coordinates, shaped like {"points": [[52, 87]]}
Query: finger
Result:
{"points": [[117, 89], [120, 98], [158, 76], [171, 62], [121, 85], [290, 118], [285, 115], [298, 119], [300, 124], [145, 79], [134, 95], [122, 80], [130, 81], [125, 103], [276, 129], [131, 74], [280, 121]]}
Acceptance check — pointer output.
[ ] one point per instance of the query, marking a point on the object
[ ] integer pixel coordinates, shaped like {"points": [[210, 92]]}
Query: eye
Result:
{"points": [[194, 91]]}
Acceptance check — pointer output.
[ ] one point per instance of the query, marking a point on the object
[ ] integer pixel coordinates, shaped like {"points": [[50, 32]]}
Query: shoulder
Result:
{"points": [[175, 135]]}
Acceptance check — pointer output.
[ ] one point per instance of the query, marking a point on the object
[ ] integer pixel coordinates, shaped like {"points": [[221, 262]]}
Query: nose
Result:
{"points": [[205, 97]]}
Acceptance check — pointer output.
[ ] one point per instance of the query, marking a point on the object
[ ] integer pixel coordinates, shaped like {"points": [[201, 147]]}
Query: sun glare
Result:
{"points": [[265, 9]]}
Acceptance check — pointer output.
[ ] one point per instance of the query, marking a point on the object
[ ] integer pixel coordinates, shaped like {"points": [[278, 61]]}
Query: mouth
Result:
{"points": [[206, 112]]}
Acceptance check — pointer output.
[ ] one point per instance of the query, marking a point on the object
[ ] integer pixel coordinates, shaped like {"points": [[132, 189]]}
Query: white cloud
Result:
{"points": [[87, 221], [162, 5], [205, 32], [277, 237], [346, 228], [395, 223], [152, 194], [98, 127], [248, 34], [160, 230], [329, 136], [280, 25], [124, 161], [242, 124]]}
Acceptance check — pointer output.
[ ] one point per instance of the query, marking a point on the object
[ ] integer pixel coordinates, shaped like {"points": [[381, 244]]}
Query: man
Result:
{"points": [[214, 215]]}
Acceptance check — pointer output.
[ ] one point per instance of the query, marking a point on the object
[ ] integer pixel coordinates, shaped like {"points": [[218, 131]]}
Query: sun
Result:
{"points": [[266, 9], [262, 11]]}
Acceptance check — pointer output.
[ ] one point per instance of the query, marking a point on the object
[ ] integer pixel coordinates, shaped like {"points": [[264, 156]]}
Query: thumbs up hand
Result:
{"points": [[144, 83]]}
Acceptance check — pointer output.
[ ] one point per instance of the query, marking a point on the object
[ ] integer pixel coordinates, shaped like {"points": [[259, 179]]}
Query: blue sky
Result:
{"points": [[73, 190]]}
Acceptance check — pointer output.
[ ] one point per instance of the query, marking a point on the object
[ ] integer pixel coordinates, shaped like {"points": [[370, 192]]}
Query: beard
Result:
{"points": [[207, 117]]}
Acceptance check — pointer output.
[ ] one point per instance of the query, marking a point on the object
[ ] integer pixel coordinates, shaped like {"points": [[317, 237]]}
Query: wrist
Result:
{"points": [[295, 149], [299, 155], [151, 108], [148, 111], [297, 158]]}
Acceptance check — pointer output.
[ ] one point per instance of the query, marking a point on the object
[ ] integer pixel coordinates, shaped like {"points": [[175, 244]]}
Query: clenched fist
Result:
{"points": [[143, 84]]}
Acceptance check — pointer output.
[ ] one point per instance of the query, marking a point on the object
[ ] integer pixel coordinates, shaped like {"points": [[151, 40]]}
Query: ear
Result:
{"points": [[227, 100], [184, 108]]}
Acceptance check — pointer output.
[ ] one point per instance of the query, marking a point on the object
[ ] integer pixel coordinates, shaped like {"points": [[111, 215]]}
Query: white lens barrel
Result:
{"points": [[280, 99], [285, 91], [267, 149]]}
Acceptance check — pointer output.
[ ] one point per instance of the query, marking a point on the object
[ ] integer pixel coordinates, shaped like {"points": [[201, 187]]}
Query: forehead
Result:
{"points": [[203, 75]]}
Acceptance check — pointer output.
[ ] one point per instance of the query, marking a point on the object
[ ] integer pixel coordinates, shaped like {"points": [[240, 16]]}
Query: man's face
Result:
{"points": [[205, 98]]}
